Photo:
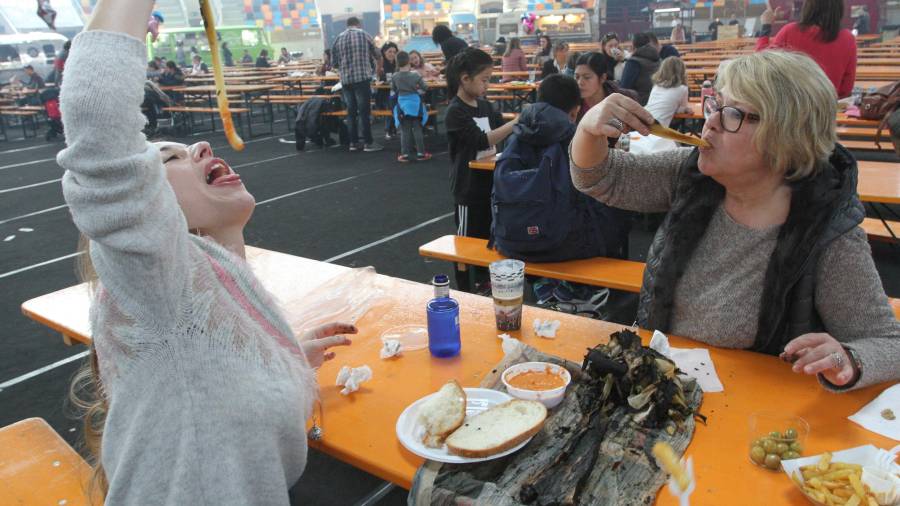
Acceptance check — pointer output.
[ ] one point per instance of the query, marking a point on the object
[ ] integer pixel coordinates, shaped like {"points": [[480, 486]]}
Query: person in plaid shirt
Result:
{"points": [[356, 57]]}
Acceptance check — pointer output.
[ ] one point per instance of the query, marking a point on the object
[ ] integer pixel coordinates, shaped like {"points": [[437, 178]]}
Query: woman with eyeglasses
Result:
{"points": [[761, 248]]}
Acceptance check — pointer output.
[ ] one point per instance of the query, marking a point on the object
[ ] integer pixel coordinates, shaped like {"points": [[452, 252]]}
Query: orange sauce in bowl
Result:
{"points": [[537, 380]]}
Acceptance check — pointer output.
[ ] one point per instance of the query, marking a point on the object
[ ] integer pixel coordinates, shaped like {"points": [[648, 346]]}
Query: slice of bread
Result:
{"points": [[442, 414], [498, 429]]}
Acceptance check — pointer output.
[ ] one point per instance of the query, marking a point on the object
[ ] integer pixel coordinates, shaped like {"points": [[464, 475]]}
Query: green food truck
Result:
{"points": [[239, 38]]}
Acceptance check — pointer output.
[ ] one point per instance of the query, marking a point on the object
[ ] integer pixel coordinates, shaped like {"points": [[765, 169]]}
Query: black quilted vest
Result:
{"points": [[823, 207]]}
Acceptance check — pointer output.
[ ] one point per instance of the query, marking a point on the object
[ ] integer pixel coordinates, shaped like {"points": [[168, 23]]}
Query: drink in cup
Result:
{"points": [[507, 286]]}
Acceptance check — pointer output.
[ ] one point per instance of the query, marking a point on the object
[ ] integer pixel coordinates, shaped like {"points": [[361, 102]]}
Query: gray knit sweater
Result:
{"points": [[208, 390], [718, 297]]}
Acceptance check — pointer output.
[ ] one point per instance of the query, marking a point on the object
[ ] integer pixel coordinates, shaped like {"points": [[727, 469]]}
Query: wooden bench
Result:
{"points": [[626, 275], [23, 115], [876, 230], [38, 467], [613, 273], [862, 145]]}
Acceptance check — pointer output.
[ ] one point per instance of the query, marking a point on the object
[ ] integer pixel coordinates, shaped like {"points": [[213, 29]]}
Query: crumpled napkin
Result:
{"points": [[546, 328], [510, 344], [391, 348], [352, 377], [869, 417], [695, 362]]}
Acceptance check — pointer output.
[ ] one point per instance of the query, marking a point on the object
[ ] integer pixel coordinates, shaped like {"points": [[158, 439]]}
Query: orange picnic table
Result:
{"points": [[879, 182], [360, 429]]}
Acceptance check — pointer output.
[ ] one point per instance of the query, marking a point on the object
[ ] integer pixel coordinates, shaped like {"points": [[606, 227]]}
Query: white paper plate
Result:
{"points": [[410, 432]]}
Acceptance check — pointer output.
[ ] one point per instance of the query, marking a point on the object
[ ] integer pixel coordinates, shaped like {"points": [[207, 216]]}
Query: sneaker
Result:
{"points": [[423, 156], [369, 148], [356, 147], [403, 158], [388, 137]]}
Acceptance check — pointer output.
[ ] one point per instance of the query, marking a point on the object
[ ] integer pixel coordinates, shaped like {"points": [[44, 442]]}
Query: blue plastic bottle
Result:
{"points": [[443, 320]]}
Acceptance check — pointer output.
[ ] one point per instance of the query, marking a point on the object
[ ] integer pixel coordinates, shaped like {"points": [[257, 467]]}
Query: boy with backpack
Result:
{"points": [[409, 112], [538, 215]]}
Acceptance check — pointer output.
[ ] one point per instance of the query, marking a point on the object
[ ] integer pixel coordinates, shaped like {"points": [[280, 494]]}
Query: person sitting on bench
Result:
{"points": [[761, 248]]}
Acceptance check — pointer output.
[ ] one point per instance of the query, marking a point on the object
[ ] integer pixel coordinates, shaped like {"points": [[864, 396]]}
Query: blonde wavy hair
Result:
{"points": [[672, 73], [86, 392], [797, 105]]}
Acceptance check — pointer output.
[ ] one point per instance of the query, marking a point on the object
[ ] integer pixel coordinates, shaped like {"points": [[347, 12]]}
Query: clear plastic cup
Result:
{"points": [[776, 434], [507, 288]]}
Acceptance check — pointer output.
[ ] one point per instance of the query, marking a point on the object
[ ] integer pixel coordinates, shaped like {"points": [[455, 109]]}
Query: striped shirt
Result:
{"points": [[354, 54]]}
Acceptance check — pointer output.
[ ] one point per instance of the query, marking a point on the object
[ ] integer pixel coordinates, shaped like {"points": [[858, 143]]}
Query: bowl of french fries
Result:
{"points": [[854, 477]]}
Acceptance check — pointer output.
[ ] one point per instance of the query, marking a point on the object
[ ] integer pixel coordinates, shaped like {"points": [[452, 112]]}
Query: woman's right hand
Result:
{"points": [[589, 146], [596, 121]]}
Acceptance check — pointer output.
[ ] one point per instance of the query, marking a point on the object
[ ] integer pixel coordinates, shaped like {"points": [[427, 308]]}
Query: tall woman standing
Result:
{"points": [[203, 390]]}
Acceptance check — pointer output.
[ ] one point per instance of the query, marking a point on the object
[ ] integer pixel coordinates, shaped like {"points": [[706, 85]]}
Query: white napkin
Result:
{"points": [[391, 348], [546, 328], [869, 417], [695, 362], [351, 378], [510, 344]]}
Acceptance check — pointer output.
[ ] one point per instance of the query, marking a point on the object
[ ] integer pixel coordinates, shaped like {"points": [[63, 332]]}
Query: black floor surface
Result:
{"points": [[319, 204]]}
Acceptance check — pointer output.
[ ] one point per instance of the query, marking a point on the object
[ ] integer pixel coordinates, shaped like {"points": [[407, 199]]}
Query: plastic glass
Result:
{"points": [[443, 327], [763, 423], [507, 286]]}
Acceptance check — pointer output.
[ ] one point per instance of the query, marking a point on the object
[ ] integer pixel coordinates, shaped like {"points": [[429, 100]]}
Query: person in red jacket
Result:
{"points": [[819, 35]]}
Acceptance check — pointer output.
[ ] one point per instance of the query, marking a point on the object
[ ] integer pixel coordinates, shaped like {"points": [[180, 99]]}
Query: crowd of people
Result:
{"points": [[760, 248]]}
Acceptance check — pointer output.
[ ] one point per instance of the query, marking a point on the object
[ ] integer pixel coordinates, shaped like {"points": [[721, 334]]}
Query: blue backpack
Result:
{"points": [[539, 215]]}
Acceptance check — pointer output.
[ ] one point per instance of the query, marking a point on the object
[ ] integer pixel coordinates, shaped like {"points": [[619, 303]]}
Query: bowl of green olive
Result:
{"points": [[775, 437]]}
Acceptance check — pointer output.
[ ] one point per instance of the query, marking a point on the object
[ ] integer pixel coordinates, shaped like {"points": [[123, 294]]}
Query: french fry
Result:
{"points": [[666, 458], [843, 492], [857, 485], [872, 501], [824, 461], [853, 501], [841, 465], [841, 473]]}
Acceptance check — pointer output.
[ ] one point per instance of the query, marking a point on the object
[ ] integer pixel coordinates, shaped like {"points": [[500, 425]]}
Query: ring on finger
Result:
{"points": [[617, 124], [837, 360]]}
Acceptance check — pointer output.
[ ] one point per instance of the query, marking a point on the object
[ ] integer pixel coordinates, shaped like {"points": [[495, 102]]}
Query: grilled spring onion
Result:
{"points": [[221, 96]]}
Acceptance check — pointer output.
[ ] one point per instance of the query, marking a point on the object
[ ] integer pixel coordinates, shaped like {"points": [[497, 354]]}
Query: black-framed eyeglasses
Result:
{"points": [[730, 118]]}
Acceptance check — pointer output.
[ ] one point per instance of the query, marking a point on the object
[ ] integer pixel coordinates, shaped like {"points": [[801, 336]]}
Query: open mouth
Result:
{"points": [[219, 173]]}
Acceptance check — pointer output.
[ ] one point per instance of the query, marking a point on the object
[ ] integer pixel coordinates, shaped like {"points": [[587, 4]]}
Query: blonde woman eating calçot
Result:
{"points": [[203, 389]]}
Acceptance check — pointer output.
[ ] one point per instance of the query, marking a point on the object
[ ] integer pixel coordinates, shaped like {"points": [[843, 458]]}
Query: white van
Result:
{"points": [[37, 49]]}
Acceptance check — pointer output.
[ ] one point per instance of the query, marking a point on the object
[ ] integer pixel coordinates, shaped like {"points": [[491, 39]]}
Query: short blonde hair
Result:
{"points": [[671, 73], [797, 105]]}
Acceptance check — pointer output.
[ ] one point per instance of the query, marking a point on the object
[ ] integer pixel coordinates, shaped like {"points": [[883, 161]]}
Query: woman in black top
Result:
{"points": [[226, 54], [450, 44], [263, 60], [383, 97], [557, 64]]}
